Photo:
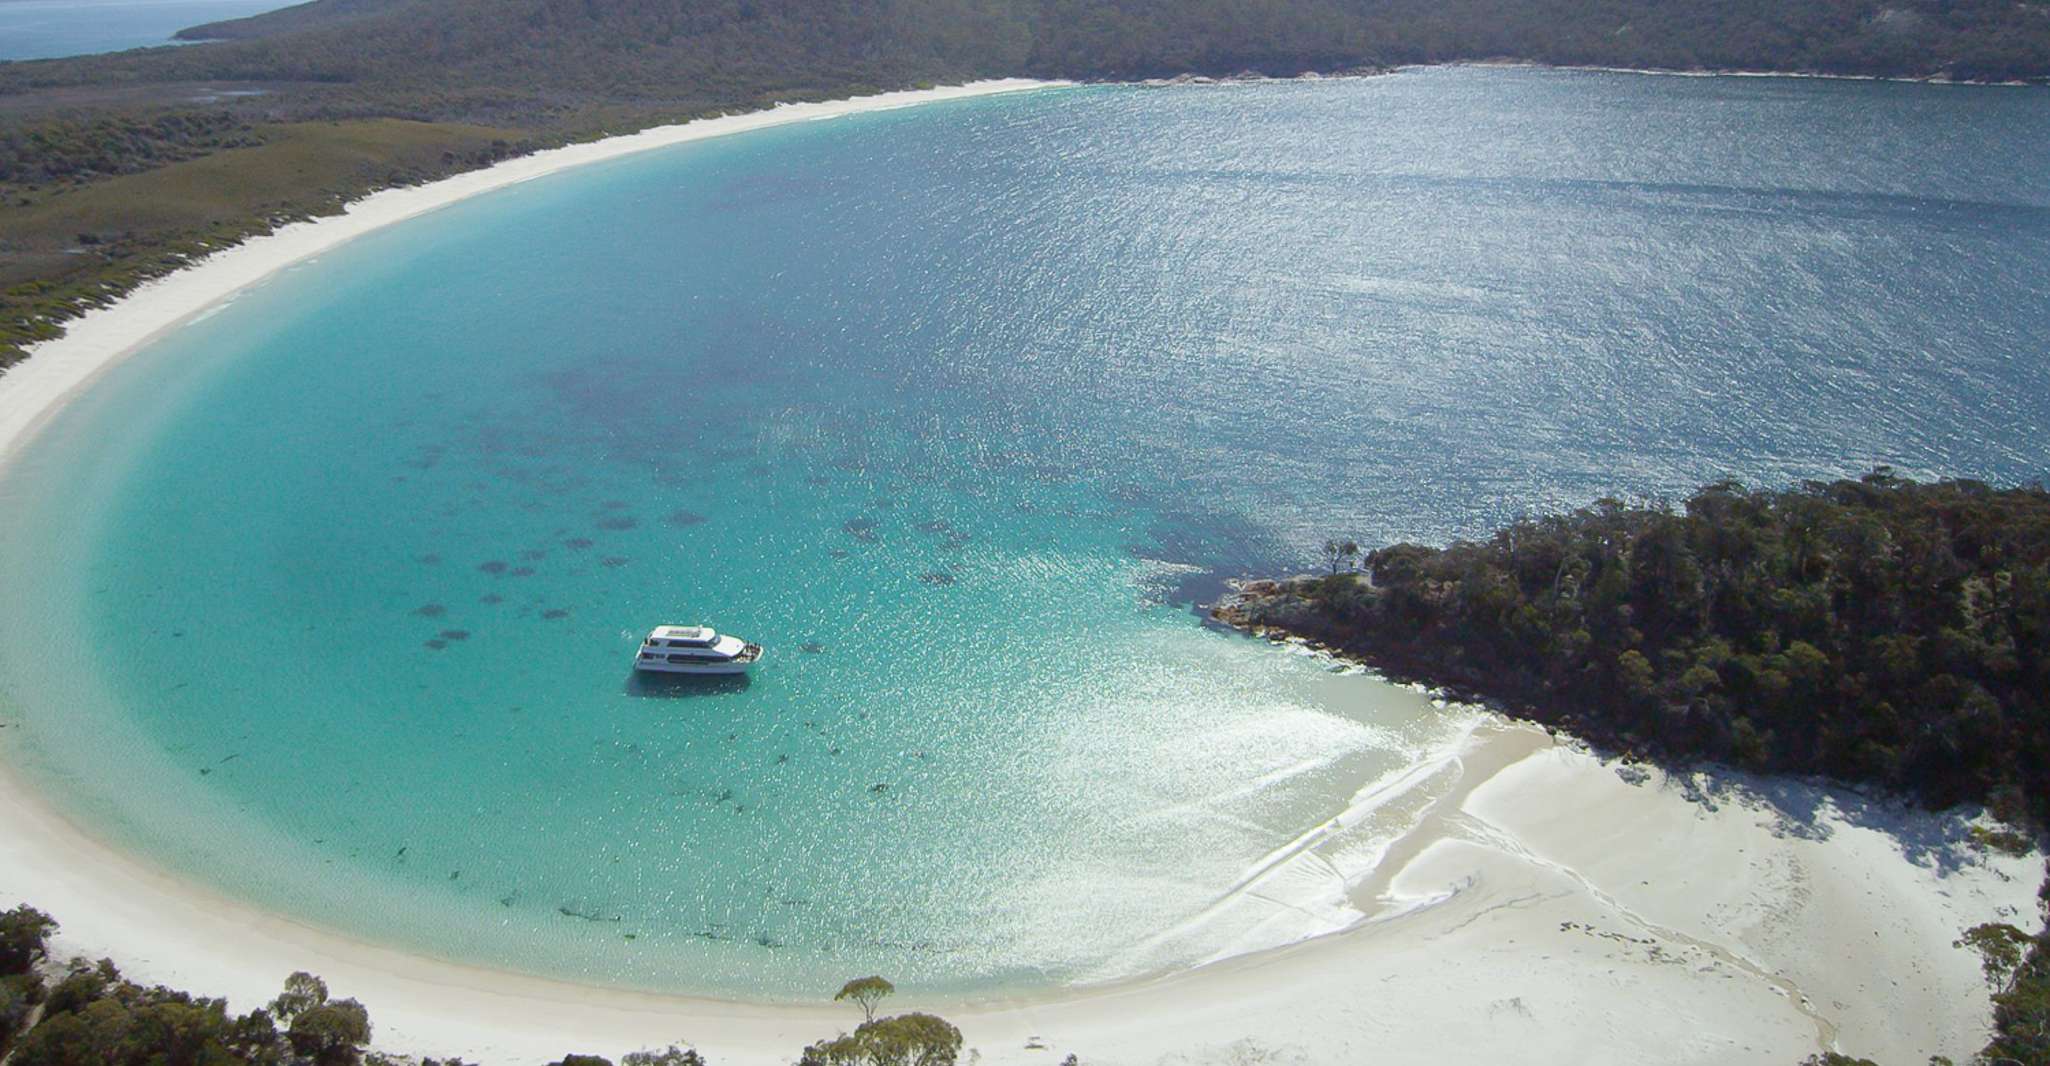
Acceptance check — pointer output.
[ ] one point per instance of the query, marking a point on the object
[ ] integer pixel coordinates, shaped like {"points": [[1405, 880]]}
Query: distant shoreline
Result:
{"points": [[1732, 72], [1254, 77]]}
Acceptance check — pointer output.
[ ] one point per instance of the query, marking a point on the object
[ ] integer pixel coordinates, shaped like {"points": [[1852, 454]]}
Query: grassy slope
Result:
{"points": [[300, 169], [65, 246]]}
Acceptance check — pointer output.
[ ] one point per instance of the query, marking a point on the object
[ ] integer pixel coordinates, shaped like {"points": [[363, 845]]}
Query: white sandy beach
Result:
{"points": [[1543, 908]]}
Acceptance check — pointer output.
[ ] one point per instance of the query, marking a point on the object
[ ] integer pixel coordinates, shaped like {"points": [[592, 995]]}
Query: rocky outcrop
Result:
{"points": [[1294, 606]]}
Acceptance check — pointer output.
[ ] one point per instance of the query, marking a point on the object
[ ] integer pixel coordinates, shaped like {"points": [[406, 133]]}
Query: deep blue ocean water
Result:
{"points": [[46, 29], [329, 598]]}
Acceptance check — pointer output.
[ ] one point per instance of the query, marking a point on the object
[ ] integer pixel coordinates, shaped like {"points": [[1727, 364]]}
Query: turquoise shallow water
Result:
{"points": [[329, 599]]}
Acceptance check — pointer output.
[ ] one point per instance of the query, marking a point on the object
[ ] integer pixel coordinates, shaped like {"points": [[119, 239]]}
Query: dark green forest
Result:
{"points": [[1883, 632], [1880, 631]]}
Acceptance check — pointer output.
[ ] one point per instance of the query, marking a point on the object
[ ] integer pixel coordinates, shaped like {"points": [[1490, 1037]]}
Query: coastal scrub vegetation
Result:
{"points": [[899, 1040], [288, 115], [912, 1039], [88, 1014], [669, 1056], [1878, 631], [2021, 990], [85, 1013]]}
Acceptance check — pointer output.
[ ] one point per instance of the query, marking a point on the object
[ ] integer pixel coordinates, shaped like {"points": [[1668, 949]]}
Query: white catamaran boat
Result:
{"points": [[695, 650]]}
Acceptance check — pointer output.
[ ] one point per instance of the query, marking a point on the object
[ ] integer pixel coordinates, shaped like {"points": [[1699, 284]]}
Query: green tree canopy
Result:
{"points": [[24, 933], [900, 1040], [302, 993], [332, 1033], [867, 992]]}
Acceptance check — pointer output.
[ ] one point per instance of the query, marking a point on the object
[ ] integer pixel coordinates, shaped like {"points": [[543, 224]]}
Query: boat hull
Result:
{"points": [[735, 667]]}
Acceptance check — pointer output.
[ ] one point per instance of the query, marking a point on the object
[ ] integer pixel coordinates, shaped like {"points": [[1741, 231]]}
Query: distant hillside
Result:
{"points": [[523, 51], [286, 20], [293, 112], [1985, 39]]}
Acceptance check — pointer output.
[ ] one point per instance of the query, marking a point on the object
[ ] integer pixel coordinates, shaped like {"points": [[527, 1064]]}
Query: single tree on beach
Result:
{"points": [[1337, 553], [867, 992]]}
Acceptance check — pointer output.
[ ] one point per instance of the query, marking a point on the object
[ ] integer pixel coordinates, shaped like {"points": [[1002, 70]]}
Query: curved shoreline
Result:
{"points": [[1477, 895], [37, 387], [1506, 899]]}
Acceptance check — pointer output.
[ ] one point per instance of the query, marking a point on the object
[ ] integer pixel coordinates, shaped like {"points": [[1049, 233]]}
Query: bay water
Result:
{"points": [[329, 600]]}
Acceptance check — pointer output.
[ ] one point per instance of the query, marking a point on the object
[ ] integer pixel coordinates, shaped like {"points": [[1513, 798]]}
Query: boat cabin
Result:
{"points": [[683, 637]]}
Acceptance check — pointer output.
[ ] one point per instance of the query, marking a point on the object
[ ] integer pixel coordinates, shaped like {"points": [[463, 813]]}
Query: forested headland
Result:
{"points": [[1883, 632], [118, 168]]}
